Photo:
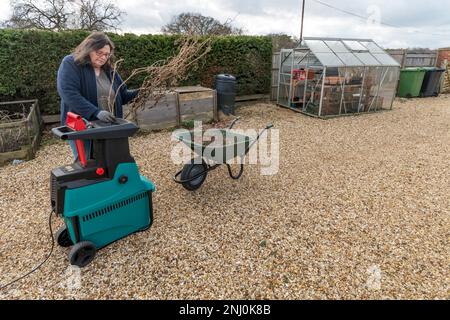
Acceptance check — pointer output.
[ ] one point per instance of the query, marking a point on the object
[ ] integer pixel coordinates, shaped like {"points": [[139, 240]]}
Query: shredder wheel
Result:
{"points": [[82, 254], [63, 238]]}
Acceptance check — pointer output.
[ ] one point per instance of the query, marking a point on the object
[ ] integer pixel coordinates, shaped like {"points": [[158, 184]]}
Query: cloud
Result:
{"points": [[5, 10], [419, 23]]}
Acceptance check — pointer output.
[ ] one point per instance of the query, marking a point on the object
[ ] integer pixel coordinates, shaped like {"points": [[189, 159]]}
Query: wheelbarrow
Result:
{"points": [[233, 145]]}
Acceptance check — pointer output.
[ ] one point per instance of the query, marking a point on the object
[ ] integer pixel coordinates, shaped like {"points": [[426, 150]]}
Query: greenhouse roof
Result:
{"points": [[334, 52]]}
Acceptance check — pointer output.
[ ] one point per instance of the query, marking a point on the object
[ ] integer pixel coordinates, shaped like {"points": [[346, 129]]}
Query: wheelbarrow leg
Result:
{"points": [[241, 171]]}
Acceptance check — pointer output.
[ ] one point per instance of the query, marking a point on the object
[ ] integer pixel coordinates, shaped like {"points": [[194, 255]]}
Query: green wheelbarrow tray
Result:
{"points": [[231, 145]]}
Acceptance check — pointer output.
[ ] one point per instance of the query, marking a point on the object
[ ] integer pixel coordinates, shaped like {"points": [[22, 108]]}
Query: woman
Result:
{"points": [[84, 80]]}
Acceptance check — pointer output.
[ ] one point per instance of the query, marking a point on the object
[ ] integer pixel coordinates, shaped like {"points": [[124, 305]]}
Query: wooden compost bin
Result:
{"points": [[179, 105], [24, 133]]}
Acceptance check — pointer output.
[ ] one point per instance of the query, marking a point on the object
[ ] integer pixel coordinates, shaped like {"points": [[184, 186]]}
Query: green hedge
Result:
{"points": [[29, 61]]}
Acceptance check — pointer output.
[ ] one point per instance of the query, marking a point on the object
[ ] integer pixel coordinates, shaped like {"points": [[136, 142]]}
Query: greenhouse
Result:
{"points": [[328, 77]]}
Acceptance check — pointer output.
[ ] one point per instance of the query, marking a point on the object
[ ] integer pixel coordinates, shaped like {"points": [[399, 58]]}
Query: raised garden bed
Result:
{"points": [[179, 105], [20, 130]]}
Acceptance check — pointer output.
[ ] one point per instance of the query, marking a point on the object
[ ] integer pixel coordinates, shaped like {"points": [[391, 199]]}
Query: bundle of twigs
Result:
{"points": [[6, 116], [164, 74], [11, 139]]}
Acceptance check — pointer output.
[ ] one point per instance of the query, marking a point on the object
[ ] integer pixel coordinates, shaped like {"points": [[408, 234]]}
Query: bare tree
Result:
{"points": [[61, 15], [283, 41], [98, 15], [197, 24], [29, 14]]}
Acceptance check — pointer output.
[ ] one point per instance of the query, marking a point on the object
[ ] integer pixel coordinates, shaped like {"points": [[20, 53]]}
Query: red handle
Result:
{"points": [[76, 122]]}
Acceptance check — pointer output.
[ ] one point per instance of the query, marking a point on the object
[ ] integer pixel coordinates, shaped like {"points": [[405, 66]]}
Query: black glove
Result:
{"points": [[106, 116]]}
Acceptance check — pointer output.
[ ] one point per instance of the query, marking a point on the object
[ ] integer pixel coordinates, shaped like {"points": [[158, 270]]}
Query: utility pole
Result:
{"points": [[303, 16]]}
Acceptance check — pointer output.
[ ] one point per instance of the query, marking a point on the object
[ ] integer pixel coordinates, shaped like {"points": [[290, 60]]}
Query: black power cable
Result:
{"points": [[42, 263]]}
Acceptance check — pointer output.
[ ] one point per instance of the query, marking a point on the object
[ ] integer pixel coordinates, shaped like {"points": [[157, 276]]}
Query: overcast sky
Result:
{"points": [[414, 23]]}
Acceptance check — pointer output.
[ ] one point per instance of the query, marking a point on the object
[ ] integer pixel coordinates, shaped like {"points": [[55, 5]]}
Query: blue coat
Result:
{"points": [[77, 87]]}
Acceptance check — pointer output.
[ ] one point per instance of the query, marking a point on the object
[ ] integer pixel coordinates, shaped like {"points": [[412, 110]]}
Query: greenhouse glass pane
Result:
{"points": [[372, 47], [355, 45], [329, 59], [349, 59], [337, 46], [318, 46], [367, 58], [310, 60], [300, 58], [385, 59]]}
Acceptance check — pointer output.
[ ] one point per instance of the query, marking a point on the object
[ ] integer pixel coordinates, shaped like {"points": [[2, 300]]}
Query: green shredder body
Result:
{"points": [[121, 210], [101, 199], [411, 80]]}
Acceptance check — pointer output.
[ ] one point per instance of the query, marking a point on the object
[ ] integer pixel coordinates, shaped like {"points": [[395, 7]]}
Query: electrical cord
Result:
{"points": [[42, 263]]}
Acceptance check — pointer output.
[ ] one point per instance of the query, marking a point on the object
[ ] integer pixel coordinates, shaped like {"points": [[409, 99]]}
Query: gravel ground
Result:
{"points": [[358, 210]]}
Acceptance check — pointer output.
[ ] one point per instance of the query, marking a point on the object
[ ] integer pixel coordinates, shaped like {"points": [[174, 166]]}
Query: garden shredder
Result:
{"points": [[102, 198]]}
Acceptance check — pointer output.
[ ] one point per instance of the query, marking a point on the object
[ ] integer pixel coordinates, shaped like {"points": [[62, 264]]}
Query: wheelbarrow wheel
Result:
{"points": [[192, 170], [63, 238], [82, 254]]}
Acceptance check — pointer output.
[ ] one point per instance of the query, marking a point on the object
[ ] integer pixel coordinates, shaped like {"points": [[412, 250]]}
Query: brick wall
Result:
{"points": [[444, 54]]}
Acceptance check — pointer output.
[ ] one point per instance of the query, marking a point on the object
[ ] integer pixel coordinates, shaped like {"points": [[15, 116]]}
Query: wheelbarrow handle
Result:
{"points": [[269, 126], [234, 121]]}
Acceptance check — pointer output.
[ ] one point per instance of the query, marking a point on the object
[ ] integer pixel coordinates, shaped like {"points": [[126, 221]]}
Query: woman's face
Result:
{"points": [[99, 57]]}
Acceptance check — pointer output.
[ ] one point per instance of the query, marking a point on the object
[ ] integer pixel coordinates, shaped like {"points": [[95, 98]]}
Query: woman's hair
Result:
{"points": [[95, 41]]}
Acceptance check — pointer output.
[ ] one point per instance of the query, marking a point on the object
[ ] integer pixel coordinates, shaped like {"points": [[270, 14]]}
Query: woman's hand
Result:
{"points": [[106, 116]]}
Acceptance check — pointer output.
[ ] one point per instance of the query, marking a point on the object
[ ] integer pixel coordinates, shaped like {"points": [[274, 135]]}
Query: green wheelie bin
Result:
{"points": [[411, 80]]}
